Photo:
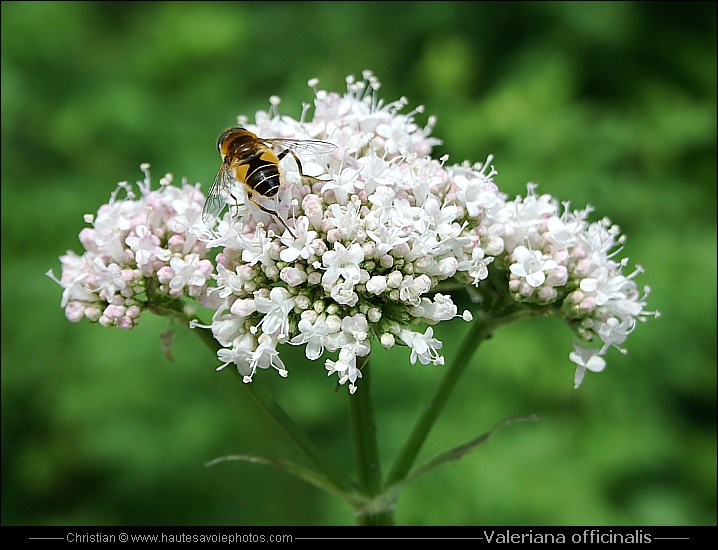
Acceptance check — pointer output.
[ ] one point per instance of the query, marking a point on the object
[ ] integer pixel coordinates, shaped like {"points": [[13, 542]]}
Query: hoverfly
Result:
{"points": [[254, 162]]}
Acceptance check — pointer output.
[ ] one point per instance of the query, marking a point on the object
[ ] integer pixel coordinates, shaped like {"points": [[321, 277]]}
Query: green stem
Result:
{"points": [[366, 452], [480, 329], [270, 406], [296, 434]]}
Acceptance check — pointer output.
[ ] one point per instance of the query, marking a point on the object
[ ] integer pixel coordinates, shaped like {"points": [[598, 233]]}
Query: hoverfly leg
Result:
{"points": [[299, 165], [235, 206], [272, 212]]}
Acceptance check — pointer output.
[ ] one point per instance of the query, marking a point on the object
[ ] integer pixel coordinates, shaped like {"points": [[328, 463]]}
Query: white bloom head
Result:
{"points": [[377, 226], [140, 244], [380, 226], [377, 234]]}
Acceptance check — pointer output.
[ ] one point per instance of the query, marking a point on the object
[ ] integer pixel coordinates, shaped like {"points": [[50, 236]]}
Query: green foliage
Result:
{"points": [[612, 104]]}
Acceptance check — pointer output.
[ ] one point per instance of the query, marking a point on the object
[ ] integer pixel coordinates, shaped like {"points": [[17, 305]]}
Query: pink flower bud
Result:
{"points": [[376, 285], [165, 275], [293, 276], [74, 311], [243, 307]]}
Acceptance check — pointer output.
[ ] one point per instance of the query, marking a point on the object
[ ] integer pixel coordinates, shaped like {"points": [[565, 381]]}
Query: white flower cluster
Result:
{"points": [[386, 225], [372, 241], [135, 242], [377, 231], [558, 259]]}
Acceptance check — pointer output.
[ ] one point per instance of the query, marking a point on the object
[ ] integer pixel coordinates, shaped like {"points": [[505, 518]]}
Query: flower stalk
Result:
{"points": [[267, 403], [480, 329], [366, 452]]}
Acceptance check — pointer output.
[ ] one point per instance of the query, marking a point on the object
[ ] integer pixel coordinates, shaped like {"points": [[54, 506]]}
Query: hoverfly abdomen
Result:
{"points": [[263, 174]]}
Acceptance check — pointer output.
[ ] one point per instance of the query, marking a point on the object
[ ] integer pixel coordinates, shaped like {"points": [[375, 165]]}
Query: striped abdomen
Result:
{"points": [[260, 173]]}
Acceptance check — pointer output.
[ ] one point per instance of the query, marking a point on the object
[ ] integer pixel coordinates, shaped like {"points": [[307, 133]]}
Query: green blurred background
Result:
{"points": [[612, 104]]}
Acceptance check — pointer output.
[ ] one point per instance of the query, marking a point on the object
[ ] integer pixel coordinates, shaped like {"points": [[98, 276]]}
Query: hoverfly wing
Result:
{"points": [[216, 196], [313, 146]]}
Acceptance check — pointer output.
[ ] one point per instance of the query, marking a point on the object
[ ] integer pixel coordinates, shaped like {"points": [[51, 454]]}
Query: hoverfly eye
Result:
{"points": [[221, 139]]}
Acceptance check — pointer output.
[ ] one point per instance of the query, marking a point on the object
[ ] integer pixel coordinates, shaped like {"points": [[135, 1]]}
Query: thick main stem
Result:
{"points": [[366, 452]]}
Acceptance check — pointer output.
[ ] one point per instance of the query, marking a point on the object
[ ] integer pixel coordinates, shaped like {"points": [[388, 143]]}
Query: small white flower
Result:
{"points": [[531, 266], [301, 246], [342, 262], [265, 356], [477, 266], [228, 282], [276, 311], [345, 218], [477, 191], [257, 248], [614, 332], [187, 272], [411, 289], [146, 247], [225, 327], [387, 237], [343, 184], [564, 232], [108, 278], [423, 346], [356, 326], [347, 370], [376, 285], [314, 335], [585, 359], [440, 309], [343, 293]]}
